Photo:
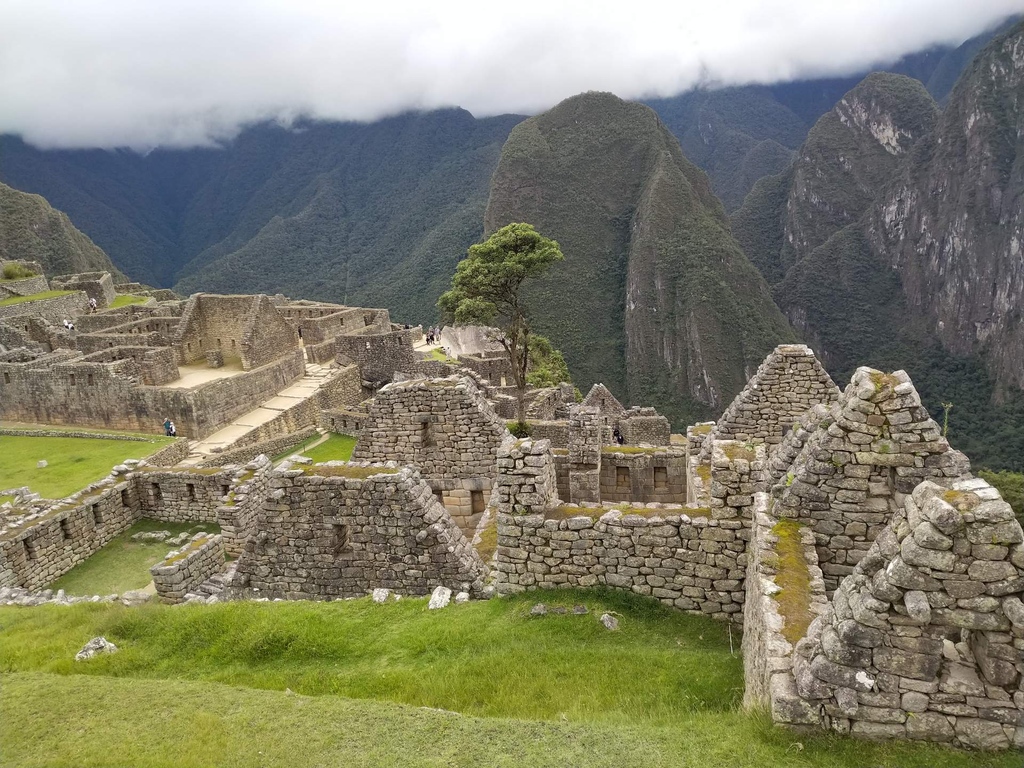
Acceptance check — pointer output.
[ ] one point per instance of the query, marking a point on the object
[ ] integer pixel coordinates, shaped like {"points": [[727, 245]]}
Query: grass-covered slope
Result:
{"points": [[354, 683], [31, 229], [654, 298]]}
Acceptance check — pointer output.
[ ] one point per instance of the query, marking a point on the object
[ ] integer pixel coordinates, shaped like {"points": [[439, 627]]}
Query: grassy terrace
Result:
{"points": [[72, 462], [33, 297], [205, 685], [124, 299], [334, 448], [123, 564]]}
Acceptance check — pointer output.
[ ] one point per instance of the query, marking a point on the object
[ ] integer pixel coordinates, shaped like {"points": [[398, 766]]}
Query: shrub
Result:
{"points": [[14, 271], [519, 429]]}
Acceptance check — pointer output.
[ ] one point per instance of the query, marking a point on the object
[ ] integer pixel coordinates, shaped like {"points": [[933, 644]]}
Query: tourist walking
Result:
{"points": [[168, 424]]}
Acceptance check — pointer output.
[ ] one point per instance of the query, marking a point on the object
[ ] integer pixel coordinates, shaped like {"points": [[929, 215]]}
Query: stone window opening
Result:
{"points": [[97, 516], [89, 380], [124, 497], [30, 550], [232, 343], [340, 541], [155, 495], [225, 490], [622, 478], [191, 488], [439, 495], [219, 345], [426, 435], [72, 379], [476, 500], [65, 529], [7, 378], [661, 477]]}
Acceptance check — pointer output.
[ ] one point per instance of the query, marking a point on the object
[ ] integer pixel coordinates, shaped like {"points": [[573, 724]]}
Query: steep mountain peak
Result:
{"points": [[654, 298], [849, 154], [894, 110]]}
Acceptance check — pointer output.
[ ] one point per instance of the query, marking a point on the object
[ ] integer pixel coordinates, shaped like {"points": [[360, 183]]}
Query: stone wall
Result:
{"points": [[268, 336], [444, 427], [35, 553], [182, 496], [184, 569], [64, 389], [642, 477], [848, 480], [767, 653], [26, 286], [97, 285], [644, 426], [787, 383], [342, 531], [378, 355], [54, 310], [692, 559], [250, 451], [237, 516], [924, 640]]}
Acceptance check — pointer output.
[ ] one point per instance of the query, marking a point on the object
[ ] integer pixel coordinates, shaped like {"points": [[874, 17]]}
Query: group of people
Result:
{"points": [[169, 429], [433, 335]]}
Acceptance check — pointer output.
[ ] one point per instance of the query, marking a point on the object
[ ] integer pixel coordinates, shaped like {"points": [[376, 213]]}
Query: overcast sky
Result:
{"points": [[142, 73]]}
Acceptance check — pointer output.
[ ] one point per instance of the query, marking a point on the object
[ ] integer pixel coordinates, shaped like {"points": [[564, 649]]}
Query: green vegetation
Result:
{"points": [[547, 365], [1010, 486], [31, 230], [14, 271], [380, 685], [72, 462], [488, 543], [124, 299], [355, 472], [438, 354], [520, 429], [5, 499], [794, 581], [33, 297], [488, 289], [124, 564], [334, 448]]}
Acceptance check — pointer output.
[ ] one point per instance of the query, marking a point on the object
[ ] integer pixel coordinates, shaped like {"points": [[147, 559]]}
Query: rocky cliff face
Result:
{"points": [[952, 222], [655, 298], [847, 157], [31, 229]]}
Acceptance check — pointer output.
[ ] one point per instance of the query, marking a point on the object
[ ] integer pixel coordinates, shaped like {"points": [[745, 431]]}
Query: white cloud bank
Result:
{"points": [[142, 73]]}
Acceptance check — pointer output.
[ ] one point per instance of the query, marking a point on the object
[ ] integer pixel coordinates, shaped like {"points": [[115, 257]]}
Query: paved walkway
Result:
{"points": [[225, 437]]}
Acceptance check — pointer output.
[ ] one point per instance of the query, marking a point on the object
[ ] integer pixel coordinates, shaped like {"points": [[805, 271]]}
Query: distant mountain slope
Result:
{"points": [[31, 229], [654, 298], [377, 212], [892, 243]]}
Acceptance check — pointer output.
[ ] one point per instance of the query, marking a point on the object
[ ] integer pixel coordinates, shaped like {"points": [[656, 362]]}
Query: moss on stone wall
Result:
{"points": [[794, 581]]}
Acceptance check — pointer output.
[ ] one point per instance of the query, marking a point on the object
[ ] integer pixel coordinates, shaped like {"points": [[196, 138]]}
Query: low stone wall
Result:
{"points": [[340, 531], [767, 653], [344, 422], [182, 496], [55, 310], [41, 550], [183, 570], [23, 287], [643, 476], [237, 516], [169, 455], [692, 559]]}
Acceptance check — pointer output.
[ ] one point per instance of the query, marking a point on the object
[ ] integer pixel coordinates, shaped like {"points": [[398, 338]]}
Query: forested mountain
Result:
{"points": [[894, 241], [654, 297], [31, 229]]}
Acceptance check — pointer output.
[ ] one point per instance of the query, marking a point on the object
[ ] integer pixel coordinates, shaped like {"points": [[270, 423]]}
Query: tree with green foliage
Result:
{"points": [[487, 289]]}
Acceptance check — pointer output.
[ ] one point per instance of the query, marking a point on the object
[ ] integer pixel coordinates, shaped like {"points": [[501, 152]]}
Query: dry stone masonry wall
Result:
{"points": [[183, 570]]}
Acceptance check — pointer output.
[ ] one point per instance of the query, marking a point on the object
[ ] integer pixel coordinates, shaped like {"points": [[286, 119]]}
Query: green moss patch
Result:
{"points": [[488, 541], [962, 501], [794, 581], [356, 473]]}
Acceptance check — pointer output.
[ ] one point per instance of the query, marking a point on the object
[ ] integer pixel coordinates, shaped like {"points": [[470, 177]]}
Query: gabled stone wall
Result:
{"points": [[324, 536], [785, 386]]}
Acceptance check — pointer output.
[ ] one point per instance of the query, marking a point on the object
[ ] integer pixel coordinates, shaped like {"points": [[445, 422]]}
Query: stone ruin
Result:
{"points": [[877, 583]]}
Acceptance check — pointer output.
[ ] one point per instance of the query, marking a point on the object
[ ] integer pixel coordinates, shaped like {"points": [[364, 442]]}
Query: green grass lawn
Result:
{"points": [[33, 297], [124, 299], [205, 685], [72, 462], [124, 564], [5, 499], [334, 448]]}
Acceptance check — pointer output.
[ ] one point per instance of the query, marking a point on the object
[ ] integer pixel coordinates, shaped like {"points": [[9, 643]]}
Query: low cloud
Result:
{"points": [[124, 73]]}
